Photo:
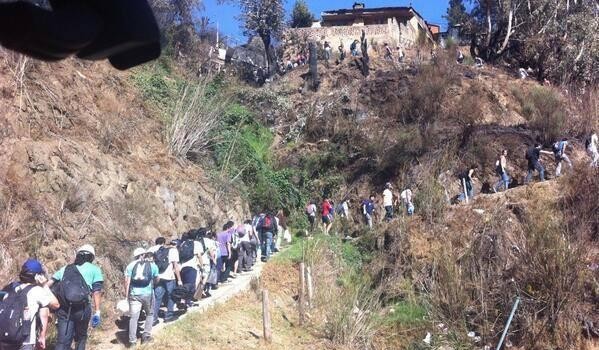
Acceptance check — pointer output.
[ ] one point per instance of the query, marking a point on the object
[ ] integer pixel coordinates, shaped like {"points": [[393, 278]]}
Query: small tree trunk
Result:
{"points": [[365, 58], [313, 61]]}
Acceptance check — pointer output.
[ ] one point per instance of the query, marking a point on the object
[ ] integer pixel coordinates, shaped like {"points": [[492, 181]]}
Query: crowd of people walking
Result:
{"points": [[172, 275]]}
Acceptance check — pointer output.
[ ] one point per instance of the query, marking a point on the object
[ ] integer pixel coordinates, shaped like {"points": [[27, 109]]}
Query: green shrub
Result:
{"points": [[159, 86]]}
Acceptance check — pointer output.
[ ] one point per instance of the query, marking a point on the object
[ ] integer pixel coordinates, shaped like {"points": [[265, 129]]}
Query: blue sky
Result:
{"points": [[431, 10]]}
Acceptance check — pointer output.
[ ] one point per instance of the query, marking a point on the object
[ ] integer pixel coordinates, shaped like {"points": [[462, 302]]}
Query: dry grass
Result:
{"points": [[237, 324], [196, 116]]}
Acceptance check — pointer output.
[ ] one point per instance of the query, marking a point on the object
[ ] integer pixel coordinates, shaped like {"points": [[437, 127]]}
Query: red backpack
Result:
{"points": [[267, 223]]}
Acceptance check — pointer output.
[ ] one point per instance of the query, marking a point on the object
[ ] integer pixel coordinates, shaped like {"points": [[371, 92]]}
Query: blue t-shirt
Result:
{"points": [[90, 272], [147, 290], [369, 206]]}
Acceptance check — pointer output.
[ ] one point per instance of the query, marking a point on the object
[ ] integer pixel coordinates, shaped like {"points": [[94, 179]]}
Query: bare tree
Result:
{"points": [[264, 18]]}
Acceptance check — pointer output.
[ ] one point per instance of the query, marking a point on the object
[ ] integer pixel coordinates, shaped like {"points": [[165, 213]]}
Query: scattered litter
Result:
{"points": [[479, 211], [471, 334], [391, 310], [428, 338], [594, 267]]}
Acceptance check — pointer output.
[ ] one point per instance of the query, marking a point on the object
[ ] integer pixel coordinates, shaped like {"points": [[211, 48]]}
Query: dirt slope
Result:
{"points": [[82, 161]]}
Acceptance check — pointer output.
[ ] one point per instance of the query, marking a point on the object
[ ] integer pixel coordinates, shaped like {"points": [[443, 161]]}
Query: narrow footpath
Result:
{"points": [[242, 283]]}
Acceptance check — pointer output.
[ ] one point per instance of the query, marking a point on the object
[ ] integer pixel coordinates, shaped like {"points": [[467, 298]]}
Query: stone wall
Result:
{"points": [[346, 35], [404, 33]]}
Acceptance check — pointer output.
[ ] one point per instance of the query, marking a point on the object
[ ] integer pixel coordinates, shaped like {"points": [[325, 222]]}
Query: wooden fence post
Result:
{"points": [[310, 286], [266, 317], [302, 292]]}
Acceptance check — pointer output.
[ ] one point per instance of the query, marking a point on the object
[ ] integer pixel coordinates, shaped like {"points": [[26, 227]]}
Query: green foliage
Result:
{"points": [[456, 13], [407, 313], [431, 202], [159, 86], [301, 17], [244, 153]]}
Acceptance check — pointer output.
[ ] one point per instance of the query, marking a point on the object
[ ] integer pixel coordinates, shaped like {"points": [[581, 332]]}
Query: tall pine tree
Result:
{"points": [[456, 13]]}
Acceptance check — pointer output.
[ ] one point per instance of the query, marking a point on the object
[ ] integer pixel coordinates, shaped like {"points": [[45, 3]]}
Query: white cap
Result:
{"points": [[138, 251], [87, 248]]}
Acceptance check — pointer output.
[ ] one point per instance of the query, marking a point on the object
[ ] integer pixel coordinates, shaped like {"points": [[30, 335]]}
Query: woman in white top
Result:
{"points": [[593, 144]]}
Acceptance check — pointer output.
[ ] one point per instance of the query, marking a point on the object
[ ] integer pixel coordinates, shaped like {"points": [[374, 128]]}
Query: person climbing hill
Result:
{"points": [[326, 208], [501, 171], [465, 179], [559, 151], [406, 198], [533, 155], [368, 210], [592, 144], [24, 311], [140, 277], [73, 285], [166, 258], [388, 201]]}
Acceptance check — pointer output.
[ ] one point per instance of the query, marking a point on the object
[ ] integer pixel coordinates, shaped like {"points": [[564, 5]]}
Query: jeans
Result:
{"points": [[189, 277], [388, 212], [223, 262], [136, 304], [368, 219], [410, 209], [311, 220], [246, 256], [538, 167], [164, 288], [72, 327], [558, 168], [266, 239], [504, 180]]}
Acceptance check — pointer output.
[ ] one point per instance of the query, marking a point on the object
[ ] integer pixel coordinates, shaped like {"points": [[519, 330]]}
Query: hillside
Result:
{"points": [[83, 160]]}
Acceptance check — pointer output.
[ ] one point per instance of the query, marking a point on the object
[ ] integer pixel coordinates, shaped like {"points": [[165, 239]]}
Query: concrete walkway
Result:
{"points": [[225, 292]]}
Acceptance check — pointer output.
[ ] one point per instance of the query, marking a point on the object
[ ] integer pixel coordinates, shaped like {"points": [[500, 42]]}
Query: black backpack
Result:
{"points": [[15, 328], [185, 250], [267, 223], [72, 290], [141, 278], [498, 169], [161, 259], [587, 142]]}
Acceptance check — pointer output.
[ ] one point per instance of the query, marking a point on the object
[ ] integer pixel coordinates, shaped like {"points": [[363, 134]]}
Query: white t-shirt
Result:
{"points": [[406, 196], [37, 298], [387, 198], [197, 251], [246, 236], [173, 256], [211, 246], [594, 143]]}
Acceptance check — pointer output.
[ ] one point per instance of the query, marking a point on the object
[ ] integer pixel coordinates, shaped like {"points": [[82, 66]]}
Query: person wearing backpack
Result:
{"points": [[267, 228], [533, 155], [190, 255], [311, 214], [166, 257], [140, 277], [559, 151], [209, 260], [73, 285], [26, 305], [501, 171], [326, 208]]}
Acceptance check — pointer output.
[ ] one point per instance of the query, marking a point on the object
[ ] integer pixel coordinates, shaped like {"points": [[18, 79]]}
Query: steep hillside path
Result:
{"points": [[225, 292]]}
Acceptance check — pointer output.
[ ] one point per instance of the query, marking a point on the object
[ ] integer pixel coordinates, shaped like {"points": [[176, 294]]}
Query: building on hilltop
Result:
{"points": [[398, 26]]}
